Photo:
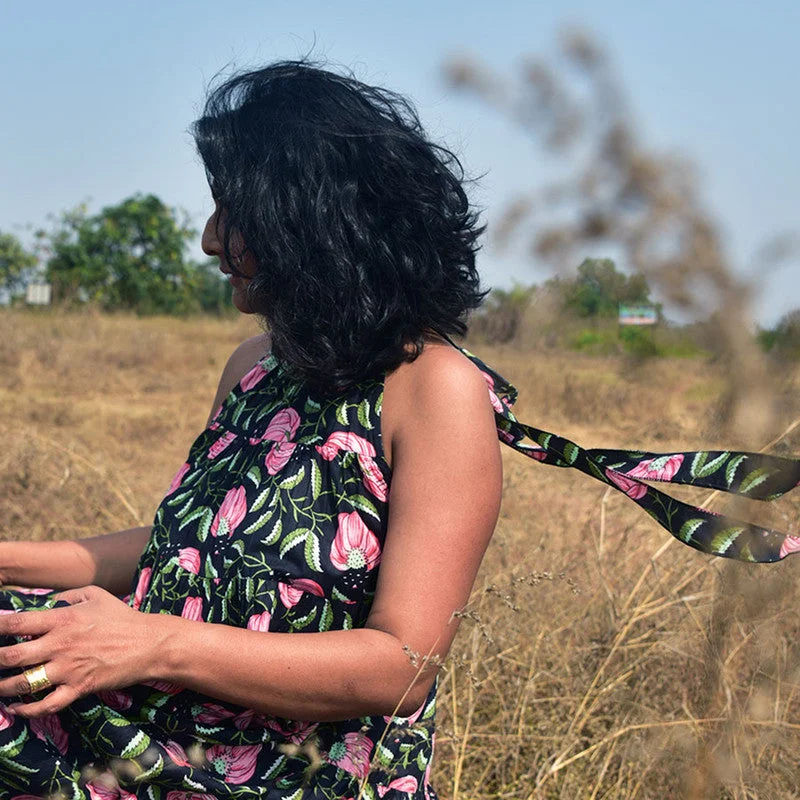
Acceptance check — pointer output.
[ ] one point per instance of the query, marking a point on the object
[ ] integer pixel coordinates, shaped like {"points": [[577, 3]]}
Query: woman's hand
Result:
{"points": [[95, 643]]}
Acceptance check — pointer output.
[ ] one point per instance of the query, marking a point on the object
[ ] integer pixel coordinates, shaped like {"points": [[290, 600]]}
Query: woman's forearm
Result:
{"points": [[108, 561], [304, 676]]}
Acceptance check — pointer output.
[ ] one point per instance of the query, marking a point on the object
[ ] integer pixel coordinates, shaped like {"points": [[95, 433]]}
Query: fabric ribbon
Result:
{"points": [[753, 475]]}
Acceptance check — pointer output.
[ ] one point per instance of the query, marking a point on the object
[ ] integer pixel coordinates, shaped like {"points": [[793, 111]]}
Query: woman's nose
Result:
{"points": [[209, 242]]}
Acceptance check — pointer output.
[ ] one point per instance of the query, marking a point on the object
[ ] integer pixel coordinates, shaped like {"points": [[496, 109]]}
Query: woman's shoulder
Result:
{"points": [[442, 386], [241, 361]]}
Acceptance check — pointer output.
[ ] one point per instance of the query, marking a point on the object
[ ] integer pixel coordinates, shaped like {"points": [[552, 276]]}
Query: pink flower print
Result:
{"points": [[49, 728], [113, 698], [177, 754], [791, 544], [657, 469], [164, 686], [279, 454], [495, 400], [178, 795], [355, 545], [293, 731], [231, 512], [176, 481], [37, 591], [534, 451], [220, 444], [193, 608], [282, 427], [344, 440], [253, 378], [291, 591], [214, 424], [633, 489], [97, 791], [189, 559], [142, 585], [211, 713], [259, 622], [235, 764], [352, 754], [407, 784], [6, 719], [373, 479]]}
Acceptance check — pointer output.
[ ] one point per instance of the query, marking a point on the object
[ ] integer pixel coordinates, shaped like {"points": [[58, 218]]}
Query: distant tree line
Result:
{"points": [[133, 256]]}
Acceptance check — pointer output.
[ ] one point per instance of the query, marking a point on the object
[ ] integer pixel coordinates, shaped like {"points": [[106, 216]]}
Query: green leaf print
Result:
{"points": [[311, 405], [363, 414], [293, 480], [341, 413], [379, 404], [312, 552], [730, 470], [316, 480], [753, 479], [544, 439], [304, 621], [294, 538], [13, 748], [153, 772], [363, 504], [688, 528], [699, 467], [254, 473], [326, 617], [180, 513], [179, 498], [571, 452], [274, 535], [725, 538], [385, 755], [259, 523], [136, 746], [198, 512], [261, 499], [205, 524]]}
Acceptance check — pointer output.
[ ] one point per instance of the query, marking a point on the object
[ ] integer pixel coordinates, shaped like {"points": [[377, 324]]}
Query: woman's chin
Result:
{"points": [[240, 301]]}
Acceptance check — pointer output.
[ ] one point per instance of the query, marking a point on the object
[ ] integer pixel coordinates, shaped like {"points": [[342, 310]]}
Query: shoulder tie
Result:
{"points": [[753, 475]]}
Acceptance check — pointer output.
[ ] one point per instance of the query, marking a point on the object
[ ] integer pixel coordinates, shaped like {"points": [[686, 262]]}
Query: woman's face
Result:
{"points": [[213, 245]]}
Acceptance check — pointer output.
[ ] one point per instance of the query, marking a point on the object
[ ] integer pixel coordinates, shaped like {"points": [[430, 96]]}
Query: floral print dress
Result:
{"points": [[276, 522]]}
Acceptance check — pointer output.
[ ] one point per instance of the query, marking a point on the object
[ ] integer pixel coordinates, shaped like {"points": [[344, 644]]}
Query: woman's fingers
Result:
{"points": [[24, 655], [19, 685], [30, 623], [54, 701]]}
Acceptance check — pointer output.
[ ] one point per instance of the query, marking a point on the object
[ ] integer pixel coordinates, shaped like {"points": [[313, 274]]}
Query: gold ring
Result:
{"points": [[37, 678]]}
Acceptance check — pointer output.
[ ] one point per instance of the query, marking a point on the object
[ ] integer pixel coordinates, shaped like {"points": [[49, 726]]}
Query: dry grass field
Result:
{"points": [[597, 658]]}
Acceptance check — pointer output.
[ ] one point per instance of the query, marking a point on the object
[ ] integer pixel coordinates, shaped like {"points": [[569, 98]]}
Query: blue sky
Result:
{"points": [[97, 98]]}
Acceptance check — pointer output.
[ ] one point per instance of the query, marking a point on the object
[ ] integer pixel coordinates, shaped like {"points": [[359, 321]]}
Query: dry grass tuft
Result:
{"points": [[597, 658]]}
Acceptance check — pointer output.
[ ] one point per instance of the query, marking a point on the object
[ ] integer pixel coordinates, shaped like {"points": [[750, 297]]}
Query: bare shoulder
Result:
{"points": [[441, 389], [242, 360]]}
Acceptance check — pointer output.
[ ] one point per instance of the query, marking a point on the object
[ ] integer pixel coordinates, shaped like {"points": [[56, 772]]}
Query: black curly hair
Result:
{"points": [[359, 225]]}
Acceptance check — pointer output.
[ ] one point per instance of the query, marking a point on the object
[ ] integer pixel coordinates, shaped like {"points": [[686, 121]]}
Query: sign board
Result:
{"points": [[38, 294], [637, 314]]}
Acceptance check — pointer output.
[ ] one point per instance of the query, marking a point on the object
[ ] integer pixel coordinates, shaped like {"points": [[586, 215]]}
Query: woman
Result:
{"points": [[345, 488]]}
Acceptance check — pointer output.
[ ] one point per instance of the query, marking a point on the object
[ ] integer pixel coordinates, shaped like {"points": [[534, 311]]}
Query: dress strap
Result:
{"points": [[753, 475]]}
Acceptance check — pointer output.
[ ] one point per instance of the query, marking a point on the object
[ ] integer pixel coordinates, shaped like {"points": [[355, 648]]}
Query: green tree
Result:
{"points": [[129, 256], [15, 262], [599, 288]]}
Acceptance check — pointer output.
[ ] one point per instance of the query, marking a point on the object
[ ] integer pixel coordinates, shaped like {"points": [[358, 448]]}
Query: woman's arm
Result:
{"points": [[107, 561], [444, 501]]}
